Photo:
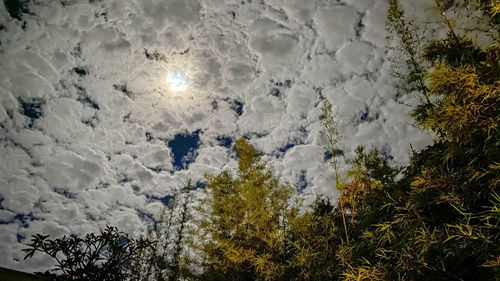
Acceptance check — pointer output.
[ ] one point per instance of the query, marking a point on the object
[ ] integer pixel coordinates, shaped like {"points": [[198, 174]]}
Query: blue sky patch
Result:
{"points": [[165, 200], [20, 237], [148, 218], [237, 106], [183, 148], [276, 92], [64, 193], [302, 183], [224, 141], [22, 219], [287, 147], [199, 185], [32, 109], [80, 71]]}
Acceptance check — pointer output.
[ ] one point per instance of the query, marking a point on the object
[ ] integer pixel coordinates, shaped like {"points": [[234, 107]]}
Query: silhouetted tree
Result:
{"points": [[102, 257]]}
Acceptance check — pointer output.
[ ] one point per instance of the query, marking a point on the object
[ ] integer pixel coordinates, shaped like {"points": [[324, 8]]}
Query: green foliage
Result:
{"points": [[436, 219], [369, 175], [113, 255], [453, 52], [492, 8], [102, 257], [332, 134], [14, 275], [409, 48], [439, 221], [248, 218]]}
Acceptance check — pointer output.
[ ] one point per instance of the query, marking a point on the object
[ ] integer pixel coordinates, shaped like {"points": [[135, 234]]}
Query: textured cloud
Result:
{"points": [[91, 134], [343, 19]]}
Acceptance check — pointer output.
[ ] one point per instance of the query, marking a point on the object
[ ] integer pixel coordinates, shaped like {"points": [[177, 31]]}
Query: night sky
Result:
{"points": [[109, 106]]}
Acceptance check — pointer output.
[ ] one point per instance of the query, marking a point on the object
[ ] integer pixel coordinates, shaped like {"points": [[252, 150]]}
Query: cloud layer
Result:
{"points": [[90, 131]]}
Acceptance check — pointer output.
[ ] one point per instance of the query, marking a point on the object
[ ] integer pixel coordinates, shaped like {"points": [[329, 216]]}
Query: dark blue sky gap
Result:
{"points": [[287, 147], [224, 141], [237, 106], [276, 92], [164, 200], [23, 220], [146, 217], [80, 71], [199, 185], [31, 109], [302, 183], [183, 148]]}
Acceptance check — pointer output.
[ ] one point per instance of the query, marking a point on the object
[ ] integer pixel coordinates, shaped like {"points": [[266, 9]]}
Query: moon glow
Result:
{"points": [[177, 81]]}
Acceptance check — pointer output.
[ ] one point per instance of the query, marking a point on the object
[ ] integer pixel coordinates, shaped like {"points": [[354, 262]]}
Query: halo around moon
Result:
{"points": [[177, 81]]}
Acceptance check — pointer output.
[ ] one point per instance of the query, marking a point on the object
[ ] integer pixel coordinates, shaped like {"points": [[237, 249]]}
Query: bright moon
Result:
{"points": [[177, 81]]}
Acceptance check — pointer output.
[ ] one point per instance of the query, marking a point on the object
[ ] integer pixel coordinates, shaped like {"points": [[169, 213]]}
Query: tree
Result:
{"points": [[166, 261], [247, 221], [409, 43], [437, 218], [102, 257], [332, 134], [438, 222]]}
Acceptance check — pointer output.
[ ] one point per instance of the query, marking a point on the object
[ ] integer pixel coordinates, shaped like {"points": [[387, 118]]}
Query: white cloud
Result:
{"points": [[275, 46], [354, 57], [336, 25]]}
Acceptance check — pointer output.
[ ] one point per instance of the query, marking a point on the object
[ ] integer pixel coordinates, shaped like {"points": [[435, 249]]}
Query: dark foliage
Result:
{"points": [[102, 257]]}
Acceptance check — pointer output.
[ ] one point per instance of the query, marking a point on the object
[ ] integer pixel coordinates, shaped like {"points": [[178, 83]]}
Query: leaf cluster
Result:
{"points": [[248, 218], [105, 256]]}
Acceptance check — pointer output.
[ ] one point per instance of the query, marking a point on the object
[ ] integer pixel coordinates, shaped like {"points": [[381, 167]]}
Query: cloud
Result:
{"points": [[275, 46], [86, 116], [336, 25], [353, 57]]}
